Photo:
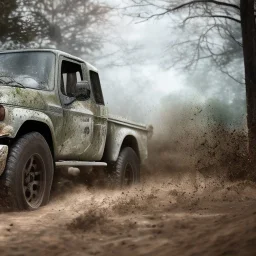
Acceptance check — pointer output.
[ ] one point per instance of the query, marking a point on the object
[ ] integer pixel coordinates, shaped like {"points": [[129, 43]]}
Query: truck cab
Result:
{"points": [[52, 91], [52, 114]]}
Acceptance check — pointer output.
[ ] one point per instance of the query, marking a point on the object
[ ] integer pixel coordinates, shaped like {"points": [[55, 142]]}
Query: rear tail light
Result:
{"points": [[2, 113]]}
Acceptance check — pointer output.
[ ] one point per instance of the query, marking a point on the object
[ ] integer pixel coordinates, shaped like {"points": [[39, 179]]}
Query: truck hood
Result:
{"points": [[22, 97]]}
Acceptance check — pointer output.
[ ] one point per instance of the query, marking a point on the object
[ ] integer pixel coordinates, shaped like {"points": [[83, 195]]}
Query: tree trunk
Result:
{"points": [[249, 46]]}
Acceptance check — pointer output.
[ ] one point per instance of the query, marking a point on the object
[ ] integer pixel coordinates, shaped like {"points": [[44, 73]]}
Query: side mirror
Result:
{"points": [[83, 91]]}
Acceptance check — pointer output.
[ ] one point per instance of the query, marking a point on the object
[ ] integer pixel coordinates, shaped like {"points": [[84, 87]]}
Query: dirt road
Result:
{"points": [[156, 218]]}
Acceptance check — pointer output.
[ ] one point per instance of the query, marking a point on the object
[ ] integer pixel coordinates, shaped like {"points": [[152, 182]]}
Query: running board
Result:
{"points": [[79, 163]]}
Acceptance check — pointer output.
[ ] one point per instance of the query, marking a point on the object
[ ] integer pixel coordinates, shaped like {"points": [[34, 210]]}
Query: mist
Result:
{"points": [[146, 76], [141, 62], [157, 71], [197, 108], [180, 71]]}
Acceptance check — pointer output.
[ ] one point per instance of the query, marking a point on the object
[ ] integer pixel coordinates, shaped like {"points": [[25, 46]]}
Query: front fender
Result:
{"points": [[15, 117]]}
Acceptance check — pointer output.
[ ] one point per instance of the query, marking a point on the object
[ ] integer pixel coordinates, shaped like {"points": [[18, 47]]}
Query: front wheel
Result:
{"points": [[27, 179], [126, 171]]}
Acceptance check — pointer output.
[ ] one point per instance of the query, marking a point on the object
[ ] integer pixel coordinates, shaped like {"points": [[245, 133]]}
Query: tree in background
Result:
{"points": [[216, 36], [74, 25], [249, 49], [19, 26], [70, 25], [223, 16]]}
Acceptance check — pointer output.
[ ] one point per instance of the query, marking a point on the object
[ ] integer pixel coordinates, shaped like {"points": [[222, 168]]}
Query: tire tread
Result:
{"points": [[116, 170], [8, 179]]}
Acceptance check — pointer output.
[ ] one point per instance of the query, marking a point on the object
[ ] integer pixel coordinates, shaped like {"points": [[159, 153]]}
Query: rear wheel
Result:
{"points": [[126, 171], [27, 180]]}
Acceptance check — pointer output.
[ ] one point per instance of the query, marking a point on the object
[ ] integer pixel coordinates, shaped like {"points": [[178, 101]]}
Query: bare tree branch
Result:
{"points": [[213, 16]]}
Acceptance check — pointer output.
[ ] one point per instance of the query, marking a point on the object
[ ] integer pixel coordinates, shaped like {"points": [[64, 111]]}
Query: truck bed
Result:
{"points": [[120, 130], [126, 122]]}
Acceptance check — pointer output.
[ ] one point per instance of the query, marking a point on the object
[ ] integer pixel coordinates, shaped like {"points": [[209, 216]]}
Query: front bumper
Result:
{"points": [[3, 157]]}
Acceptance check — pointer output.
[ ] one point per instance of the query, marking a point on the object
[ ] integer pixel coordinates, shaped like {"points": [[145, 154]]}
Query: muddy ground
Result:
{"points": [[161, 216]]}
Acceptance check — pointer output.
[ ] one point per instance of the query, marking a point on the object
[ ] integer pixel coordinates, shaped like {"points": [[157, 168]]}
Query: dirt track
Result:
{"points": [[156, 218]]}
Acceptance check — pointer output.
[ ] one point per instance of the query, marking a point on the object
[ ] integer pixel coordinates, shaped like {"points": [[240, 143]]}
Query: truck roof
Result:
{"points": [[57, 52]]}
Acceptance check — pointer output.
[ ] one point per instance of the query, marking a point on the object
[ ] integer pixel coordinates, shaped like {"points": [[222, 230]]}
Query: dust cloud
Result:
{"points": [[196, 197]]}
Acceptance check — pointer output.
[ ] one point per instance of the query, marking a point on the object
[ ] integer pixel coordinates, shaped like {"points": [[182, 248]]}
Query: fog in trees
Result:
{"points": [[146, 55]]}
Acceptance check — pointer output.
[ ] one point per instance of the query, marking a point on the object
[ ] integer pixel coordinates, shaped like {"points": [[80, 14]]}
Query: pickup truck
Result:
{"points": [[53, 115]]}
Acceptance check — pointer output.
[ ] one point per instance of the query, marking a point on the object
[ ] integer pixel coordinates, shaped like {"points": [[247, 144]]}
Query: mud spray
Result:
{"points": [[197, 196]]}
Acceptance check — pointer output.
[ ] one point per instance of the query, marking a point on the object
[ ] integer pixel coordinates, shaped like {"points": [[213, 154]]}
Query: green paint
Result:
{"points": [[18, 90]]}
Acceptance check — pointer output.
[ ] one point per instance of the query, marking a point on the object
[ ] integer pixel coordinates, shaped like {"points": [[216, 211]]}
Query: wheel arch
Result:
{"points": [[131, 141], [116, 142], [40, 127]]}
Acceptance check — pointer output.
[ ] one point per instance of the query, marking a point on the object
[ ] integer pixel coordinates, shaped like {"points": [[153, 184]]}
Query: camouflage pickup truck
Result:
{"points": [[52, 115]]}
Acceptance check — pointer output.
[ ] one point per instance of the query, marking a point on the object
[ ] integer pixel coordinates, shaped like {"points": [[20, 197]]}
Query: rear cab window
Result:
{"points": [[96, 87]]}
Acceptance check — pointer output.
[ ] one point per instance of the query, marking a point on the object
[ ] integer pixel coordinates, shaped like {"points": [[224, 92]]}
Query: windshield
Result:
{"points": [[28, 69]]}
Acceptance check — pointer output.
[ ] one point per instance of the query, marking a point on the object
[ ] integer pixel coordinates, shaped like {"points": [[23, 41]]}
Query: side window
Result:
{"points": [[96, 87], [71, 73]]}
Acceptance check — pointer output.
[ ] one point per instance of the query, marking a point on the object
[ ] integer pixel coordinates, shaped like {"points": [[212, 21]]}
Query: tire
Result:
{"points": [[126, 171], [27, 180]]}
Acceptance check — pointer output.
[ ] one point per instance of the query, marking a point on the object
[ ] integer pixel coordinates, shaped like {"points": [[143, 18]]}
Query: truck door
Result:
{"points": [[78, 122]]}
